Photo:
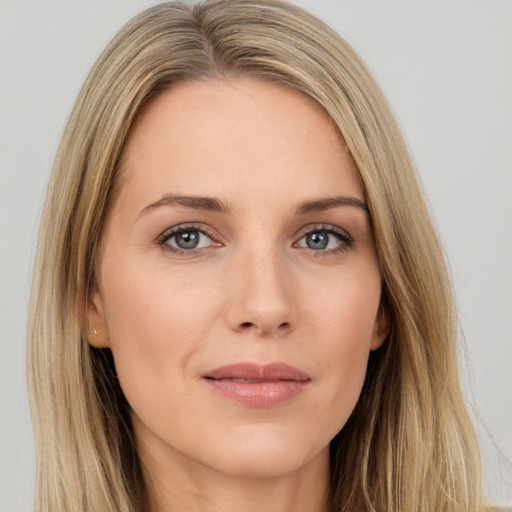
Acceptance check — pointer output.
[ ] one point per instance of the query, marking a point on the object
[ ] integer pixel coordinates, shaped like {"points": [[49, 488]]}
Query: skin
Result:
{"points": [[252, 291]]}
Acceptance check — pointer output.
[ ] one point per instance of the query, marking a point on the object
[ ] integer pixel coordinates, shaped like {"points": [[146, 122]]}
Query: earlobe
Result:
{"points": [[381, 328], [97, 334]]}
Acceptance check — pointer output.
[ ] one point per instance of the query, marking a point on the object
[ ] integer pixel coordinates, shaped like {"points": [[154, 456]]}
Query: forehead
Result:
{"points": [[222, 137]]}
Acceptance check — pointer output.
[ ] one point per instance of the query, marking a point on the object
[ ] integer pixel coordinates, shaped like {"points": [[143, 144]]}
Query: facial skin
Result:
{"points": [[253, 290]]}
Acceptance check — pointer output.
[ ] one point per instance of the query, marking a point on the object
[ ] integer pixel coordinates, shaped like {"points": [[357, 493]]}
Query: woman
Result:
{"points": [[240, 301]]}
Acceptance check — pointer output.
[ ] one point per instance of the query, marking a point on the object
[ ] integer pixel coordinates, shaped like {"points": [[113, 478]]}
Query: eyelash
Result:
{"points": [[345, 239], [172, 232]]}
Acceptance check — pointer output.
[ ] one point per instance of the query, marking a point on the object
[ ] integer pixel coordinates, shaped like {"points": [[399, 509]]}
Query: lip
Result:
{"points": [[254, 385]]}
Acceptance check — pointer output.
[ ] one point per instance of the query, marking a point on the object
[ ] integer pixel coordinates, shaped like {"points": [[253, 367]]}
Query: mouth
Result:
{"points": [[254, 385]]}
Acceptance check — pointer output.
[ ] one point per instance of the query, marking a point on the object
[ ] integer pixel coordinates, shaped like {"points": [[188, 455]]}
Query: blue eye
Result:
{"points": [[187, 239], [318, 240], [325, 240]]}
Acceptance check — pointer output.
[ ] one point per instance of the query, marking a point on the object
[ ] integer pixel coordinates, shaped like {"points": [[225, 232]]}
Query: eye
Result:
{"points": [[325, 239], [186, 238]]}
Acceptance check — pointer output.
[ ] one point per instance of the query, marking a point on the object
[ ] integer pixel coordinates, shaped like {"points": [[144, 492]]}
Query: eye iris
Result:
{"points": [[187, 239], [317, 240]]}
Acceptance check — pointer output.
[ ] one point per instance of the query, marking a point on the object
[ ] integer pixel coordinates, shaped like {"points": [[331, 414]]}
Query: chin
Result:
{"points": [[263, 453]]}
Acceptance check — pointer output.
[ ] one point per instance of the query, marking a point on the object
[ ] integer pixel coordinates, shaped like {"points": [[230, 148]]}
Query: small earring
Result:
{"points": [[95, 332]]}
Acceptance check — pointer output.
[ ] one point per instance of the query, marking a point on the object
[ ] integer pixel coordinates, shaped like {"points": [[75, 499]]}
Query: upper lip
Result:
{"points": [[258, 373]]}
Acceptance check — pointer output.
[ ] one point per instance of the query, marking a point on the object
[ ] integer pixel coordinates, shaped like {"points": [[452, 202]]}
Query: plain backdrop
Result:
{"points": [[446, 68]]}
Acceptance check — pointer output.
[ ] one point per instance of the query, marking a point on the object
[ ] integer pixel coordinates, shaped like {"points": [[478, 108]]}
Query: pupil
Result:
{"points": [[317, 240], [187, 239]]}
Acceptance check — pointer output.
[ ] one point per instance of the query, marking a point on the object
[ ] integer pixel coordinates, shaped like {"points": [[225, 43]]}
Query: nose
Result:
{"points": [[262, 298]]}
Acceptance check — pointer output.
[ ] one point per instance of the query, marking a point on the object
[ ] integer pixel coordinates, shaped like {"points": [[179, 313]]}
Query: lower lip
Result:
{"points": [[258, 394]]}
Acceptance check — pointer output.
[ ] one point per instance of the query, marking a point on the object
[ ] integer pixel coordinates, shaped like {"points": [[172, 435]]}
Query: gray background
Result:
{"points": [[446, 67]]}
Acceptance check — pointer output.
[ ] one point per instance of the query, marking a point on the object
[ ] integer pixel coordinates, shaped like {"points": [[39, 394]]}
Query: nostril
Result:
{"points": [[264, 329]]}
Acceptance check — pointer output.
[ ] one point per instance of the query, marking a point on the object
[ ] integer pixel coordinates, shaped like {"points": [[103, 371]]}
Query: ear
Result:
{"points": [[97, 333], [381, 328]]}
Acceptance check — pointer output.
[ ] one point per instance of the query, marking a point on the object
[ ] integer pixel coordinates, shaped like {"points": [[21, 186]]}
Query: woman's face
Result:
{"points": [[238, 284]]}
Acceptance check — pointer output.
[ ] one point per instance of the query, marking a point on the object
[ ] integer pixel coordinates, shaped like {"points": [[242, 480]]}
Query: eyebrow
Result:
{"points": [[197, 202], [213, 204], [321, 205]]}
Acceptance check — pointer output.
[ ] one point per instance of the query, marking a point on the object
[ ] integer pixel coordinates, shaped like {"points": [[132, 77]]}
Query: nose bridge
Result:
{"points": [[262, 295]]}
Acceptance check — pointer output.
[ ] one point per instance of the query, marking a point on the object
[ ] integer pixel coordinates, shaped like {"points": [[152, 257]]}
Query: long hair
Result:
{"points": [[409, 444]]}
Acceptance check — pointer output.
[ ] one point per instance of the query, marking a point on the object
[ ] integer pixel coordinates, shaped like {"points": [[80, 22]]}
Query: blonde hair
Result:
{"points": [[409, 445]]}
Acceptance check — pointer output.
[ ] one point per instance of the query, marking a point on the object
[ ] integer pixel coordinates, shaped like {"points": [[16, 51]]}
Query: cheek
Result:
{"points": [[344, 320], [155, 323], [346, 311]]}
